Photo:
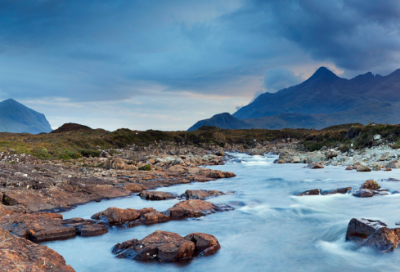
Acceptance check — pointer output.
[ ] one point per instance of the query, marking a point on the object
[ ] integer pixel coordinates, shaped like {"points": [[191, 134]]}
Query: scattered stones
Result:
{"points": [[167, 247], [157, 195], [19, 254]]}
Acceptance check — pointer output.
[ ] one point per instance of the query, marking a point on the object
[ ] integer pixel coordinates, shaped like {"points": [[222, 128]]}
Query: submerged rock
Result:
{"points": [[363, 193], [117, 216], [167, 247], [201, 194], [315, 165]]}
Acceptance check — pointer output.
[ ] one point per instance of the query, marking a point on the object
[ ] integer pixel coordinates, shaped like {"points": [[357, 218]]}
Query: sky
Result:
{"points": [[165, 64]]}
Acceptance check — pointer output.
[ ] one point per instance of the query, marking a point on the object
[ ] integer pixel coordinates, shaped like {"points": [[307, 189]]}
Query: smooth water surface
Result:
{"points": [[269, 230]]}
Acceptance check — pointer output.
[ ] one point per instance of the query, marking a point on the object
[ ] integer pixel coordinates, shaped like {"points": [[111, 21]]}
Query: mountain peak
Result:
{"points": [[324, 73]]}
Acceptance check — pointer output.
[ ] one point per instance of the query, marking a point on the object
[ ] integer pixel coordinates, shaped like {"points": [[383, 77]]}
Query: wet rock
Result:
{"points": [[349, 167], [315, 165], [311, 192], [220, 153], [37, 227], [337, 191], [363, 193], [86, 227], [372, 233], [117, 216], [393, 164], [201, 194], [363, 168], [150, 218], [195, 208], [205, 244], [371, 184], [157, 195], [135, 187], [167, 247], [296, 159], [18, 254], [331, 154]]}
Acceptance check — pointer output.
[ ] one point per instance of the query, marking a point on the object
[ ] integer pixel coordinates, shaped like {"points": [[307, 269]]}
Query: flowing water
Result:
{"points": [[269, 230]]}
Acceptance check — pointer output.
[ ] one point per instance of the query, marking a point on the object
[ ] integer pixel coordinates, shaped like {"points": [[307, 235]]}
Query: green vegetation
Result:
{"points": [[88, 143], [146, 167]]}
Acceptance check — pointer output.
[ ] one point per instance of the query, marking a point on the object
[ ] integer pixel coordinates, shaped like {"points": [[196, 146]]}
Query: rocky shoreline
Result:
{"points": [[33, 191]]}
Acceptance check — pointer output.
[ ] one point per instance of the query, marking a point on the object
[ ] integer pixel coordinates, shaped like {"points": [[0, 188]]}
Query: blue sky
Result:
{"points": [[165, 64]]}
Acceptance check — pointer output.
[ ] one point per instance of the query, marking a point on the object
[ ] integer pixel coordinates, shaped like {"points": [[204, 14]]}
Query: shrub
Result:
{"points": [[146, 167], [90, 152]]}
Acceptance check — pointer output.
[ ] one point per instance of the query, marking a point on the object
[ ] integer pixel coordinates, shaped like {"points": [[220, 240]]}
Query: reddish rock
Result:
{"points": [[311, 192], [315, 165], [195, 208], [363, 168], [150, 218], [349, 167], [86, 227], [167, 247], [157, 195], [18, 254], [116, 216], [38, 227], [388, 169], [206, 244], [135, 187]]}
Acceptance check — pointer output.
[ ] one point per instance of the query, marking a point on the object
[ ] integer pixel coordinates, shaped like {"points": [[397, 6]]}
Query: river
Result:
{"points": [[269, 230]]}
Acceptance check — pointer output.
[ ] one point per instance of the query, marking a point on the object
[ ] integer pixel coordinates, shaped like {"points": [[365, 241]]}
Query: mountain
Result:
{"points": [[17, 118], [325, 100], [222, 120]]}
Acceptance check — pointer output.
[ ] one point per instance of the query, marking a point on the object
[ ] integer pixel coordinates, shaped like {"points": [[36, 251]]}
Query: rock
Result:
{"points": [[296, 159], [363, 168], [280, 161], [205, 244], [86, 227], [377, 137], [220, 153], [315, 165], [116, 216], [18, 254], [331, 154], [393, 164], [388, 169], [363, 193], [194, 208], [311, 192], [38, 227], [167, 247], [371, 184], [201, 194], [157, 195], [372, 233], [135, 187], [337, 191], [349, 167]]}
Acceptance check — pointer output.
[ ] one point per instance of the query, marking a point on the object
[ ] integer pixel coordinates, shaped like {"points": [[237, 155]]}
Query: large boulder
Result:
{"points": [[363, 168], [373, 233], [167, 247], [117, 216], [393, 164], [86, 227], [363, 193], [371, 184], [18, 254]]}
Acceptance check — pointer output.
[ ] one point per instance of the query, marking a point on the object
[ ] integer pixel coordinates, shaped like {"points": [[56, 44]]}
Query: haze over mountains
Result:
{"points": [[322, 100], [17, 118]]}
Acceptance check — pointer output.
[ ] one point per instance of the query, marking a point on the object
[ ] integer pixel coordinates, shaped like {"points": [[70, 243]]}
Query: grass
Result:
{"points": [[86, 143]]}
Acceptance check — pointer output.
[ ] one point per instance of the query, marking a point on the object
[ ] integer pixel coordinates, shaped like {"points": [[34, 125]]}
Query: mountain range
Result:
{"points": [[322, 100], [17, 118]]}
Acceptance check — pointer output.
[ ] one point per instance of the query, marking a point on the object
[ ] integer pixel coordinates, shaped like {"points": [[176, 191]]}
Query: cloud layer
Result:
{"points": [[212, 55]]}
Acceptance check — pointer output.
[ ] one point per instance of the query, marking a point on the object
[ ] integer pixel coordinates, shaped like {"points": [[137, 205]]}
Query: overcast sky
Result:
{"points": [[165, 64]]}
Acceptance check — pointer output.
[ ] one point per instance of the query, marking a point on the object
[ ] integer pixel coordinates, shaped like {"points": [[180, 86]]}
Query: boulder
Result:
{"points": [[393, 164], [150, 218], [18, 254], [331, 154], [363, 168], [373, 233], [201, 194], [220, 153], [135, 187], [296, 159], [117, 216], [157, 195], [371, 184], [349, 167], [337, 191], [86, 227], [363, 193], [167, 247], [315, 165], [311, 192], [195, 208]]}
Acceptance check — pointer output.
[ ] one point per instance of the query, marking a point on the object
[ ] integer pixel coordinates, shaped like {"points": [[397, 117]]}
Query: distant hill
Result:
{"points": [[325, 100], [222, 120], [70, 127], [17, 118]]}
